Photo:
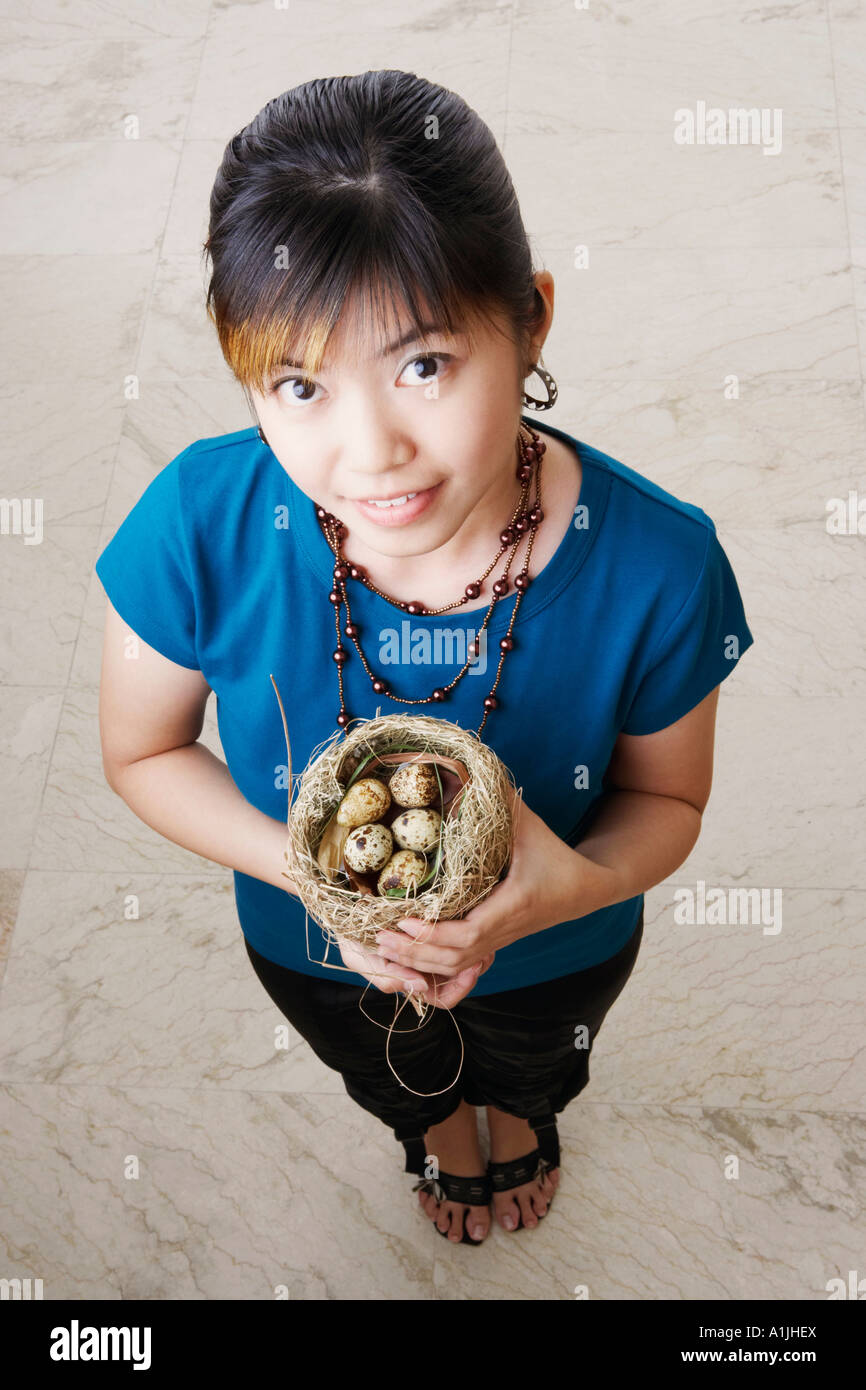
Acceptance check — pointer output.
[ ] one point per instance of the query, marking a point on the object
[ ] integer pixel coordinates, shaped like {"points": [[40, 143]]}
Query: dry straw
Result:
{"points": [[477, 832]]}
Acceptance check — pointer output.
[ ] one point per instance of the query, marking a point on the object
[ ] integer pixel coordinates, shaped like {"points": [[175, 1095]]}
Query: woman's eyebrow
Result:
{"points": [[428, 330]]}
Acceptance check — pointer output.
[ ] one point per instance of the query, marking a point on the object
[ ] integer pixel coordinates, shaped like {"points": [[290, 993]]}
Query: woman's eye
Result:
{"points": [[300, 389], [296, 385], [428, 357]]}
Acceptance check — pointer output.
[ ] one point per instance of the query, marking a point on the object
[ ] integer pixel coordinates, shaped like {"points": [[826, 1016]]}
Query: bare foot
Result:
{"points": [[511, 1138], [454, 1145]]}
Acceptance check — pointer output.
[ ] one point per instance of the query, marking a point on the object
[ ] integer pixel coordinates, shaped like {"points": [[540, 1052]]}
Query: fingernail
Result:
{"points": [[508, 1222]]}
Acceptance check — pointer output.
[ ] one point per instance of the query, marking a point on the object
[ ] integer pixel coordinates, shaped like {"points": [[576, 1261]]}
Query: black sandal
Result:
{"points": [[532, 1167], [471, 1192]]}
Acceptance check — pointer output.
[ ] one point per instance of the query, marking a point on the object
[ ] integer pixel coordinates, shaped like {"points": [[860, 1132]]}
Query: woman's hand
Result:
{"points": [[390, 977], [386, 975], [547, 882]]}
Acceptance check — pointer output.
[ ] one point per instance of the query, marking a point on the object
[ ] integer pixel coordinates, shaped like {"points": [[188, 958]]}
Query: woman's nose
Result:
{"points": [[374, 447]]}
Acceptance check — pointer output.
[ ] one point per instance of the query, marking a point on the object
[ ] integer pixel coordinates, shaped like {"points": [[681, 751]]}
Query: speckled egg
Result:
{"points": [[414, 784], [368, 847], [368, 800], [404, 870], [417, 829]]}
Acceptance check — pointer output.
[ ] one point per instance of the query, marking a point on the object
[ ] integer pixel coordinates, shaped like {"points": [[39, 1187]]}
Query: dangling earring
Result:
{"points": [[262, 436], [552, 391]]}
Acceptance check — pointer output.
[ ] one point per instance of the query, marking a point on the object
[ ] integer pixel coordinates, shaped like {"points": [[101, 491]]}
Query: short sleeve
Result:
{"points": [[700, 647], [145, 570]]}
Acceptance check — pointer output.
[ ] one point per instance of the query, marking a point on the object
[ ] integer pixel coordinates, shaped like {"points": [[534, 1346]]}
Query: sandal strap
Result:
{"points": [[547, 1135], [472, 1192], [530, 1167], [416, 1153]]}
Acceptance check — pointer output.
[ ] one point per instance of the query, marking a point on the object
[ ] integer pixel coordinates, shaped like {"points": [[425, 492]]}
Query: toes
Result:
{"points": [[527, 1211], [547, 1186], [478, 1222], [527, 1205], [448, 1217], [539, 1202], [508, 1214], [450, 1220]]}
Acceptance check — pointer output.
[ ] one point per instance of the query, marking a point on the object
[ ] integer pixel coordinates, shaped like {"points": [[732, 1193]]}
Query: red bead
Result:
{"points": [[475, 647], [342, 719], [506, 537], [335, 596], [507, 644], [540, 448], [500, 587], [351, 629], [357, 572], [321, 513], [439, 694], [341, 655], [491, 702], [530, 453], [536, 515], [522, 523], [472, 590], [415, 607], [341, 571], [522, 581], [380, 687], [524, 472]]}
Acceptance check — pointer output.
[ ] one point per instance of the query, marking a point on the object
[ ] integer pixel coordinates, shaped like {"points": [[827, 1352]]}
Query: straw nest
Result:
{"points": [[475, 833]]}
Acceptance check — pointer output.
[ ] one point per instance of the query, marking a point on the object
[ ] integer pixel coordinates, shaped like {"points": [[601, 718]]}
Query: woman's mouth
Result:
{"points": [[398, 511]]}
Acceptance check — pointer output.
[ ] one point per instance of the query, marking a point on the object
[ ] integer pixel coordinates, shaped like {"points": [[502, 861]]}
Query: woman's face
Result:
{"points": [[439, 419]]}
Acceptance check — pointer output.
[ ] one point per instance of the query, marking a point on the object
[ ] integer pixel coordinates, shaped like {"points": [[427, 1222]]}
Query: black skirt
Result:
{"points": [[526, 1051]]}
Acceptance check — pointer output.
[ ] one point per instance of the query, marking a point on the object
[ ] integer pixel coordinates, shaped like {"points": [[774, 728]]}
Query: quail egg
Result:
{"points": [[417, 829], [404, 870], [368, 847], [368, 800], [414, 784]]}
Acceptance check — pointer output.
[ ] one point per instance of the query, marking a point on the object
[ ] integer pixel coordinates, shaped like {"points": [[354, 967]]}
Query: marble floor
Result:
{"points": [[718, 1151]]}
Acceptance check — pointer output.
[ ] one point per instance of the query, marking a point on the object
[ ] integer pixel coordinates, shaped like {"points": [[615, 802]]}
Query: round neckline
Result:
{"points": [[559, 571]]}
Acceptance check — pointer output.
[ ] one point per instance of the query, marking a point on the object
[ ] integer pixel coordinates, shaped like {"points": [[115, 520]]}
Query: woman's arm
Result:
{"points": [[151, 714], [188, 795], [649, 818]]}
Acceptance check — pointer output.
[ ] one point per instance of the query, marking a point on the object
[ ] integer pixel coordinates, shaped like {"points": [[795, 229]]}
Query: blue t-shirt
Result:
{"points": [[222, 567]]}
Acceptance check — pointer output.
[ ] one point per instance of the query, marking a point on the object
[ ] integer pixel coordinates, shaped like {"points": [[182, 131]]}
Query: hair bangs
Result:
{"points": [[385, 290]]}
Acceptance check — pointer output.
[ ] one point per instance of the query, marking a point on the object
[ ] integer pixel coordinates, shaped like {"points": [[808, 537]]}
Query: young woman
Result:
{"points": [[373, 292]]}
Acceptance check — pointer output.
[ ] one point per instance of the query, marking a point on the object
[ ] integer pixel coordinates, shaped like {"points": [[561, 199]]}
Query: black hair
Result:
{"points": [[380, 183]]}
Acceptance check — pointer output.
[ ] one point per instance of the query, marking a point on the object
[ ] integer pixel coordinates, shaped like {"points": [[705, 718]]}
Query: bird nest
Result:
{"points": [[475, 832]]}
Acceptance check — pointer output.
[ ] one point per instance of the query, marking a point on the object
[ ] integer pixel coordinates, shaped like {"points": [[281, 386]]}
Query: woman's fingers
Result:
{"points": [[444, 994], [387, 976]]}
